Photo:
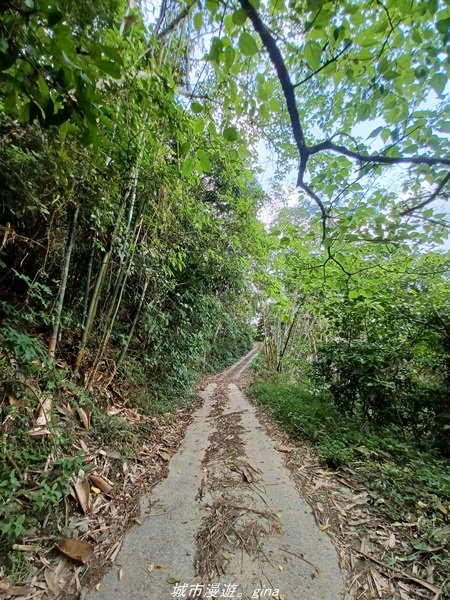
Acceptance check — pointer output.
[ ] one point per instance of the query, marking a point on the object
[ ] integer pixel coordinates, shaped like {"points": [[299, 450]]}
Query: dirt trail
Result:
{"points": [[228, 520]]}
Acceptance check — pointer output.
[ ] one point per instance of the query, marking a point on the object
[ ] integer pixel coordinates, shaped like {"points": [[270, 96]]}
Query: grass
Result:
{"points": [[386, 461]]}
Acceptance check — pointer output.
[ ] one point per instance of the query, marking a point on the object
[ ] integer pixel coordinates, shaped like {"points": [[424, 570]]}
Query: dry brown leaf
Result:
{"points": [[44, 411], [390, 543], [78, 550], [83, 495], [38, 432], [85, 416], [13, 590], [100, 483], [27, 548], [284, 448], [164, 455]]}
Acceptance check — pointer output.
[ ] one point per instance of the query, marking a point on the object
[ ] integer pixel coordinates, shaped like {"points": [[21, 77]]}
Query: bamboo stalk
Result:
{"points": [[62, 288]]}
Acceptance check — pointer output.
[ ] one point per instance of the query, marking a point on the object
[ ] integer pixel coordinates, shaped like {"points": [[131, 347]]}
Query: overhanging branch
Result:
{"points": [[378, 158], [276, 58], [437, 192]]}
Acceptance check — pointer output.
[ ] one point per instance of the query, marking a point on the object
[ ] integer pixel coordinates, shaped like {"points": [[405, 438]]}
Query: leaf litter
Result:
{"points": [[102, 505], [375, 554]]}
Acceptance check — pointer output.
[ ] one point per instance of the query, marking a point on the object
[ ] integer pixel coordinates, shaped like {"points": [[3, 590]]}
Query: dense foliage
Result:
{"points": [[131, 254], [128, 231]]}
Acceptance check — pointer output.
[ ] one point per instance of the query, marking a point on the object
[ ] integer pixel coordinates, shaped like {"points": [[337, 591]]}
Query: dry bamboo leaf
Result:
{"points": [[283, 448], [13, 590], [164, 455], [27, 548], [75, 549], [50, 580], [100, 483], [43, 412], [38, 432], [391, 542], [85, 416], [83, 495]]}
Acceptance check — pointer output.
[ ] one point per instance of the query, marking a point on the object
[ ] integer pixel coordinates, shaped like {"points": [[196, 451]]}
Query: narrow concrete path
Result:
{"points": [[227, 522]]}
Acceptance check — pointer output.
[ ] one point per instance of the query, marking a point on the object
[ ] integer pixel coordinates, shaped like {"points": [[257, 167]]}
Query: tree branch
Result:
{"points": [[172, 25], [378, 158], [277, 60], [437, 192], [325, 64]]}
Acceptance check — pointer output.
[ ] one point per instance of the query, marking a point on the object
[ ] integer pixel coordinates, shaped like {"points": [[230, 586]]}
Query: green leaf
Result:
{"points": [[54, 17], [198, 125], [69, 62], [247, 44], [230, 55], [443, 25], [239, 16], [198, 21], [312, 54], [230, 133], [275, 105], [204, 161], [216, 49], [185, 147], [212, 5], [438, 83], [375, 132], [188, 166], [196, 107]]}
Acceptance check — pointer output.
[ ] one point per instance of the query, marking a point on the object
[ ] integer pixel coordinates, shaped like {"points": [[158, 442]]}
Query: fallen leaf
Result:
{"points": [[442, 509], [390, 544], [284, 448], [38, 431], [27, 548], [96, 490], [13, 590], [100, 483], [120, 574], [159, 567], [85, 416], [172, 580], [151, 567], [98, 586], [75, 549], [324, 527], [43, 412], [83, 495], [280, 567], [164, 455]]}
